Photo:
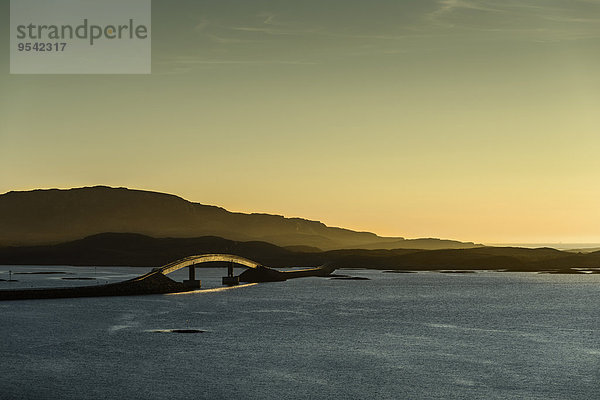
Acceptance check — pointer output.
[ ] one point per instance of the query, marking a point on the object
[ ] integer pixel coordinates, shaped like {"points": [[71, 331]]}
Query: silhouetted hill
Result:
{"points": [[584, 250], [55, 216], [134, 250], [140, 250]]}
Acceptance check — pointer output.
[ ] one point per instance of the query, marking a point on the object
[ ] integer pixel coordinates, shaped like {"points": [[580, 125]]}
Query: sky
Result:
{"points": [[464, 119]]}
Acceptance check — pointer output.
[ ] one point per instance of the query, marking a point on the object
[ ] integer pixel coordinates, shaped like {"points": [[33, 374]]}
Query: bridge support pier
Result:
{"points": [[230, 280], [192, 282]]}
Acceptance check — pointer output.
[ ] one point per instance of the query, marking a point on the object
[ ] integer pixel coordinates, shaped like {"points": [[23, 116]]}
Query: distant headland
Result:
{"points": [[118, 249]]}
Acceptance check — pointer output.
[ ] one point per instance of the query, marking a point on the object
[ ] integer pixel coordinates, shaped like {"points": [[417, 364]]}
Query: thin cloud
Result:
{"points": [[450, 6], [269, 30], [230, 40], [269, 19], [568, 20]]}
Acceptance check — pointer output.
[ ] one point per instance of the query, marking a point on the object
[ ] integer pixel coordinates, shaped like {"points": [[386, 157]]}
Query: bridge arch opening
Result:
{"points": [[192, 262]]}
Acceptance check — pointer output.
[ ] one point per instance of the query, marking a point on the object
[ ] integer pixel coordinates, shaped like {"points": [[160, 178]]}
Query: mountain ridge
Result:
{"points": [[50, 216]]}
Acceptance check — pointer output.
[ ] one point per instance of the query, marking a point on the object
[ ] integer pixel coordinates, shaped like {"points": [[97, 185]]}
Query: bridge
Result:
{"points": [[157, 282], [192, 261]]}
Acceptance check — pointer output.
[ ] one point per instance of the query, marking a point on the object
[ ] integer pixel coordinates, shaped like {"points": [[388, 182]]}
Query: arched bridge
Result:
{"points": [[192, 261], [256, 272], [156, 281]]}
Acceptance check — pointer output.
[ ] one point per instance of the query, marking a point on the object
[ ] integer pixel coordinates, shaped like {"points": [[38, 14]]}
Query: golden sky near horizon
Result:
{"points": [[464, 119]]}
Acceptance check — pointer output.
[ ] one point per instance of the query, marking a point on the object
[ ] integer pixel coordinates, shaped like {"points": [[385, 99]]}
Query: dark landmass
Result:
{"points": [[43, 273], [266, 274], [303, 249], [457, 272], [42, 217], [351, 278], [79, 279], [119, 249], [584, 250], [400, 271], [586, 271], [122, 249]]}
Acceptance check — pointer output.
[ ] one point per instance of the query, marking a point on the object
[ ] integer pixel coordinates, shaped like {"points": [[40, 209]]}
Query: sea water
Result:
{"points": [[427, 335]]}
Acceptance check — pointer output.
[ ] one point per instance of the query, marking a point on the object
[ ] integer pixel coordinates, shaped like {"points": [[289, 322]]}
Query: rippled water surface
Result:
{"points": [[427, 335]]}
